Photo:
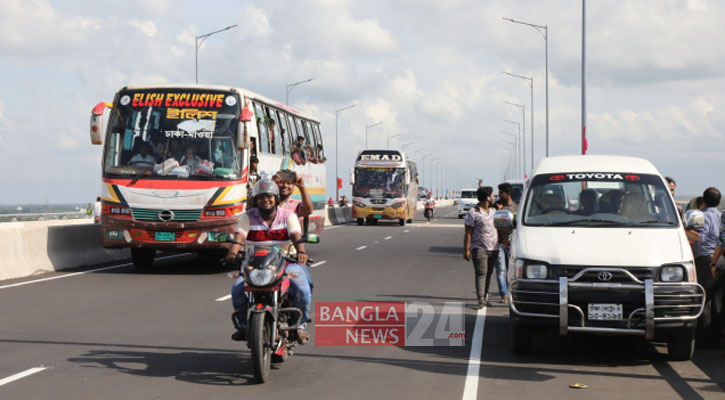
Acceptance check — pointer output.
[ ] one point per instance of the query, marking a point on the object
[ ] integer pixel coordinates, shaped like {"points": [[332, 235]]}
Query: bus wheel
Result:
{"points": [[410, 220], [143, 258], [402, 222], [360, 221]]}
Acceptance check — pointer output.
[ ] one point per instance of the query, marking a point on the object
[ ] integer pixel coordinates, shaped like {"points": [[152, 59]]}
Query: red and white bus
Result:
{"points": [[177, 164]]}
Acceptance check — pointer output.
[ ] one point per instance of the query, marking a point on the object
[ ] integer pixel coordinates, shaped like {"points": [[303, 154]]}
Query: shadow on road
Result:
{"points": [[204, 368]]}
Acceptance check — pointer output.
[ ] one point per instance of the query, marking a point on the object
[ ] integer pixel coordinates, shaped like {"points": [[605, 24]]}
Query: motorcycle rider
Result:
{"points": [[267, 224], [430, 202]]}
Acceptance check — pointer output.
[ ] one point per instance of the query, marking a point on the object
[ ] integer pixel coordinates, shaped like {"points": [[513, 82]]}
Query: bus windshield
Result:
{"points": [[599, 199], [173, 134], [379, 182]]}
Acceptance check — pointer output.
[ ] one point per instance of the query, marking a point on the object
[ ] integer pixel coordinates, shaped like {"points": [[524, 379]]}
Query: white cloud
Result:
{"points": [[147, 27]]}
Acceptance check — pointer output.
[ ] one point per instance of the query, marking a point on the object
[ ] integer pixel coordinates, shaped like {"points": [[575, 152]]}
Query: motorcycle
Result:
{"points": [[429, 211], [271, 319]]}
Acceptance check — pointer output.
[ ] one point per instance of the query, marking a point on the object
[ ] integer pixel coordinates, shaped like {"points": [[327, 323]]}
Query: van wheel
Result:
{"points": [[143, 258], [460, 216], [520, 338], [681, 347]]}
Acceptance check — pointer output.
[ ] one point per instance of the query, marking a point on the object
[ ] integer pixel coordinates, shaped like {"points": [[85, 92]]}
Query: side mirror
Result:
{"points": [[242, 136], [694, 219], [309, 238], [97, 123], [352, 176], [230, 239], [504, 219]]}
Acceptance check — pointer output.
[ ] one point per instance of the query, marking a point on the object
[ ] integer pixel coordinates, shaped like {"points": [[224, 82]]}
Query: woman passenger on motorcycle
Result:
{"points": [[269, 225]]}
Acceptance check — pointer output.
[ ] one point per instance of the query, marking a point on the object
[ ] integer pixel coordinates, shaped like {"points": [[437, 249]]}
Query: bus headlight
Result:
{"points": [[398, 205], [358, 204], [672, 273], [536, 271]]}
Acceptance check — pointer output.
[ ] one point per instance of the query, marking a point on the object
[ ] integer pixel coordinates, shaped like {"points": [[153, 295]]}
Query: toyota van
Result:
{"points": [[598, 247]]}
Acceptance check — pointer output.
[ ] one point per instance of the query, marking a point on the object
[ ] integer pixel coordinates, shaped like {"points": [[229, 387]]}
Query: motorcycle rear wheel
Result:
{"points": [[260, 334]]}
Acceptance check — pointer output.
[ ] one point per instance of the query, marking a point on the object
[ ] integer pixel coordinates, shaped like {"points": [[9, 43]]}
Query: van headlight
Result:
{"points": [[537, 271], [672, 273]]}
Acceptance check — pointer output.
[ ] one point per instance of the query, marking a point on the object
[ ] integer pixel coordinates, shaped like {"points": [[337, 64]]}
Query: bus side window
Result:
{"points": [[292, 135], [319, 149], [308, 134], [280, 132], [271, 126], [261, 129]]}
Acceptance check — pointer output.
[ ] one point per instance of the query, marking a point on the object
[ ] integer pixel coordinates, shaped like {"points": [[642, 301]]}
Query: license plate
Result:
{"points": [[164, 236], [605, 312], [377, 216]]}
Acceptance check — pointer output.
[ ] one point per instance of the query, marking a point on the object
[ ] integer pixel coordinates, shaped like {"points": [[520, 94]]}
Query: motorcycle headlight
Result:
{"points": [[672, 273], [260, 277], [536, 271]]}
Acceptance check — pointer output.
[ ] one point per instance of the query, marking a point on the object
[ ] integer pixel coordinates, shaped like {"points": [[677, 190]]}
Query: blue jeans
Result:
{"points": [[502, 263], [300, 293]]}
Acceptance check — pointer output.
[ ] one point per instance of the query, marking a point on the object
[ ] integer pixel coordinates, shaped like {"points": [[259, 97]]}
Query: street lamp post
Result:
{"points": [[544, 31], [291, 86], [337, 187], [523, 154], [432, 178], [391, 137], [531, 85], [366, 132], [516, 153], [423, 162], [416, 152], [523, 127], [198, 44], [402, 148]]}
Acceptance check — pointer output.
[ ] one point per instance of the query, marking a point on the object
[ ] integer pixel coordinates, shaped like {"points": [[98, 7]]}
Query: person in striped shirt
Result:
{"points": [[270, 225]]}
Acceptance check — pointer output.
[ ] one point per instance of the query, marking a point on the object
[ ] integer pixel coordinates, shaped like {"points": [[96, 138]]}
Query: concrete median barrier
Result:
{"points": [[30, 248]]}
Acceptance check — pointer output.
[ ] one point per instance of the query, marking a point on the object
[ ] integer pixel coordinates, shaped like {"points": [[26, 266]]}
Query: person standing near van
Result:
{"points": [[704, 241], [505, 191], [480, 242]]}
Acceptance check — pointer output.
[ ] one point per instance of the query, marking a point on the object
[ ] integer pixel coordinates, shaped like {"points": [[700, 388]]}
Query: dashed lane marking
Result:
{"points": [[317, 264], [361, 247], [21, 375]]}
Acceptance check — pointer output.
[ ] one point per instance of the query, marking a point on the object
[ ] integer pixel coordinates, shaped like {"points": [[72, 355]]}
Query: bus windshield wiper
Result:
{"points": [[138, 176]]}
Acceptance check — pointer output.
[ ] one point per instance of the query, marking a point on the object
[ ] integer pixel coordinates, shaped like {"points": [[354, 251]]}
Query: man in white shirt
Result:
{"points": [[143, 159]]}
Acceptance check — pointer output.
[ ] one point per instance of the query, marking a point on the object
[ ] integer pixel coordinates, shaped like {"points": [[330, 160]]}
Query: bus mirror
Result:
{"points": [[352, 176], [242, 136], [97, 123]]}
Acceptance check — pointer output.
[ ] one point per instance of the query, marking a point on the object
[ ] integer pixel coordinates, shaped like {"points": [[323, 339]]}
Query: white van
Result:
{"points": [[468, 200], [598, 247]]}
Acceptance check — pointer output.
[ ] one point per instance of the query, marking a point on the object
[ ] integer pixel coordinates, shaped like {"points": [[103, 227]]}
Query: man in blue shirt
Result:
{"points": [[704, 241]]}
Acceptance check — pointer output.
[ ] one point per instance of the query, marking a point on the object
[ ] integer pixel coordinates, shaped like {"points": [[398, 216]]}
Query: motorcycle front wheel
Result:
{"points": [[260, 335]]}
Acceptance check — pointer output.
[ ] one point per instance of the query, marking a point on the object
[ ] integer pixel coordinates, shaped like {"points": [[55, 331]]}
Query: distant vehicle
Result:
{"points": [[384, 187], [456, 199], [618, 262], [467, 201]]}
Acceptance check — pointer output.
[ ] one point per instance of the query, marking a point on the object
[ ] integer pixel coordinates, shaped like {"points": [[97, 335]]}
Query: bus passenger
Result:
{"points": [[190, 159], [143, 158]]}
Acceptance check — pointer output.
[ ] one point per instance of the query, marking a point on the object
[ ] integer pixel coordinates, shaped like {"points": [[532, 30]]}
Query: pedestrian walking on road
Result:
{"points": [[480, 242], [704, 241], [97, 211]]}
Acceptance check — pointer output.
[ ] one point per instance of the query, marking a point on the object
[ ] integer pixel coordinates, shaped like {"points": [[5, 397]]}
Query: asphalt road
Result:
{"points": [[116, 333]]}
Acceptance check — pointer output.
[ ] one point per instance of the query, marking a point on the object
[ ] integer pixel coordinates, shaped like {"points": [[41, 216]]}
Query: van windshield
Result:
{"points": [[468, 194], [599, 199]]}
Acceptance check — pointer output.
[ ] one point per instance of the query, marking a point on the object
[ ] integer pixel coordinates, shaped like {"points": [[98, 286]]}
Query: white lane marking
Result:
{"points": [[470, 389], [388, 237], [21, 375], [317, 264], [406, 231], [333, 227], [361, 247], [224, 298], [83, 272]]}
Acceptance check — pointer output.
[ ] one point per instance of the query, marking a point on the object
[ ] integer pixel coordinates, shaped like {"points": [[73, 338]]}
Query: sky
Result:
{"points": [[429, 70]]}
